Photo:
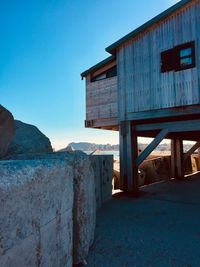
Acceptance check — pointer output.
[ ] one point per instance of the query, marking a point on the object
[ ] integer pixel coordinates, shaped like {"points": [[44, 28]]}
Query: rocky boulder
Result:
{"points": [[7, 130], [28, 139]]}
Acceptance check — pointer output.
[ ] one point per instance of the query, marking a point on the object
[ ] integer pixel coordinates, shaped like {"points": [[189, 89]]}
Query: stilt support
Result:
{"points": [[128, 155], [177, 159]]}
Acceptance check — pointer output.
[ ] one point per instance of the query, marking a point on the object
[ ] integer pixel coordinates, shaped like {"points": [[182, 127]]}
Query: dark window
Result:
{"points": [[104, 75], [111, 72], [167, 60], [178, 58]]}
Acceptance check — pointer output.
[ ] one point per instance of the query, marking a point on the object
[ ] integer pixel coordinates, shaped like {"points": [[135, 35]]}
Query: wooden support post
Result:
{"points": [[132, 153], [122, 143], [128, 155], [177, 160], [173, 159]]}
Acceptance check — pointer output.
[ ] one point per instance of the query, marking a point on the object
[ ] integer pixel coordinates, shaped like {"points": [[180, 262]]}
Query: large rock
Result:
{"points": [[28, 139], [7, 130]]}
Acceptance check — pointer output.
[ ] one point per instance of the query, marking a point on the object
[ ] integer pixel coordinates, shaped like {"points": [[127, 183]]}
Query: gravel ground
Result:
{"points": [[161, 228]]}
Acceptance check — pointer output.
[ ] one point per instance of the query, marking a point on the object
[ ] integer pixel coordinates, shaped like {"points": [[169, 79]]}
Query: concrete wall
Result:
{"points": [[90, 181], [36, 199], [103, 168]]}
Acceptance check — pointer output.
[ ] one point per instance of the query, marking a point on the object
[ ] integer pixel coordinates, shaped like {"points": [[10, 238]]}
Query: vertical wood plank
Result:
{"points": [[123, 156], [132, 152], [173, 159], [177, 159], [128, 155], [142, 82]]}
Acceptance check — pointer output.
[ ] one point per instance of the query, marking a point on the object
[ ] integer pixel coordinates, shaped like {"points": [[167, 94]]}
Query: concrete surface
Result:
{"points": [[36, 200], [159, 229], [84, 210], [92, 181], [103, 168]]}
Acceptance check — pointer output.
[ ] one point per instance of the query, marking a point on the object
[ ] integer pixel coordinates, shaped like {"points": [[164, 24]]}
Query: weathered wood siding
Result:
{"points": [[142, 86], [101, 99]]}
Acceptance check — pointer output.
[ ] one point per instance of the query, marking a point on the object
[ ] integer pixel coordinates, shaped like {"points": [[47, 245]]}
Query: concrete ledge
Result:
{"points": [[36, 198], [41, 179], [103, 168]]}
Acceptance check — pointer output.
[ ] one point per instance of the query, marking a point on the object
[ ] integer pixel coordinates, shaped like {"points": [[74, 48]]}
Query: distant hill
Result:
{"points": [[84, 146]]}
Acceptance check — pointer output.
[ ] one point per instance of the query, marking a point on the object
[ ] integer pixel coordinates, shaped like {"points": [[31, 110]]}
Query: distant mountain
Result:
{"points": [[84, 146]]}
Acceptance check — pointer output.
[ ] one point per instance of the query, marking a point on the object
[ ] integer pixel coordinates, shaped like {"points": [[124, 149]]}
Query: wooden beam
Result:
{"points": [[173, 126], [173, 159], [191, 150], [192, 110], [177, 162], [128, 155], [162, 134], [123, 156], [132, 152], [179, 159]]}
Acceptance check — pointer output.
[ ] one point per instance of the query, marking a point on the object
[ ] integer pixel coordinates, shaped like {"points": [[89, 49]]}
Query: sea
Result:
{"points": [[115, 153]]}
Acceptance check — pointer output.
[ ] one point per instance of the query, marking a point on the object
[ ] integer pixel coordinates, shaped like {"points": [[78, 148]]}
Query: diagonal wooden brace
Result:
{"points": [[162, 134]]}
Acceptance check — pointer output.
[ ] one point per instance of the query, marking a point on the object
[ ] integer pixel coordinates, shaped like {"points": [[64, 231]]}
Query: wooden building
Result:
{"points": [[150, 87]]}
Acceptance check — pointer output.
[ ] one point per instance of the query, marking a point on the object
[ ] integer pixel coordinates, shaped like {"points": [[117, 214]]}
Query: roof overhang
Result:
{"points": [[112, 48], [98, 66]]}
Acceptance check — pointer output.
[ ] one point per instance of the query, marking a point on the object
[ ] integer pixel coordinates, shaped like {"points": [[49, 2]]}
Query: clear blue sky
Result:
{"points": [[46, 44]]}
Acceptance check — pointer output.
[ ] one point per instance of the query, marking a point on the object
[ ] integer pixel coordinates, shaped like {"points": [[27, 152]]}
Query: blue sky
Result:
{"points": [[46, 44]]}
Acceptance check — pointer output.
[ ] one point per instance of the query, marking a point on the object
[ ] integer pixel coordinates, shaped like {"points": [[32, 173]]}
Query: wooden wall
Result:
{"points": [[142, 86], [101, 99]]}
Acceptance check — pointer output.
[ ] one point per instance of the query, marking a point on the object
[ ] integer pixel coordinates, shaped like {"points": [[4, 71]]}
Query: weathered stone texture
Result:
{"points": [[36, 198], [28, 139], [84, 209], [7, 130], [84, 214], [89, 174]]}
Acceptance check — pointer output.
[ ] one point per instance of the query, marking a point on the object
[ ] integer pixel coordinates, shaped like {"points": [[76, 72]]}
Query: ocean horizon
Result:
{"points": [[115, 153]]}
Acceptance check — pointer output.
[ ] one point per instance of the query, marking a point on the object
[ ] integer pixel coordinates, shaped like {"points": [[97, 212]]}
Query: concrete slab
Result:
{"points": [[103, 168], [36, 201], [159, 229]]}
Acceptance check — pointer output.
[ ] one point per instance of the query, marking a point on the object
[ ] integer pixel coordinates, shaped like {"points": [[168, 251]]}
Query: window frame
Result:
{"points": [[108, 74], [171, 58], [185, 46]]}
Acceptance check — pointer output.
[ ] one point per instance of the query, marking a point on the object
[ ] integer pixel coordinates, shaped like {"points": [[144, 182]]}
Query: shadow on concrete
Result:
{"points": [[160, 227]]}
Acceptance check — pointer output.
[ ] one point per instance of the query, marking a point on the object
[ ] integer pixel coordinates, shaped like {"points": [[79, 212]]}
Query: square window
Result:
{"points": [[179, 58]]}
